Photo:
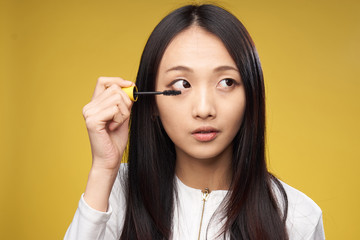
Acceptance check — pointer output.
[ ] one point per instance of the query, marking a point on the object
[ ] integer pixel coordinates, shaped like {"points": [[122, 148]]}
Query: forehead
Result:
{"points": [[196, 46]]}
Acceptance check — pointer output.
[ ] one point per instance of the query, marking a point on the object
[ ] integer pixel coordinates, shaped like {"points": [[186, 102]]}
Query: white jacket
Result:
{"points": [[304, 220]]}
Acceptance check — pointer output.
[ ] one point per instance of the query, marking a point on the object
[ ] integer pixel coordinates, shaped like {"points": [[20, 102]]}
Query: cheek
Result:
{"points": [[170, 115], [235, 112]]}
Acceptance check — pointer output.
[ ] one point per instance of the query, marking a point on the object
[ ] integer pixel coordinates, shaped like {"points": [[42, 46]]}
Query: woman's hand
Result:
{"points": [[107, 121]]}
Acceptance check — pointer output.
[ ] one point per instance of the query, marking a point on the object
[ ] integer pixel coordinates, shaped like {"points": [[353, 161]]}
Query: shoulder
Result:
{"points": [[304, 216]]}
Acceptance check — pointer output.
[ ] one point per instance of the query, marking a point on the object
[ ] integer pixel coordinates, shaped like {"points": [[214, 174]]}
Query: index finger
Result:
{"points": [[105, 82]]}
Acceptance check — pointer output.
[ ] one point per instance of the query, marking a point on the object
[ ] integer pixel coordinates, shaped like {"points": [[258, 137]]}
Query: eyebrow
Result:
{"points": [[187, 69], [225, 67], [180, 68]]}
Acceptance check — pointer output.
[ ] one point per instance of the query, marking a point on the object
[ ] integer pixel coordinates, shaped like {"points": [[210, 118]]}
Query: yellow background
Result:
{"points": [[52, 52]]}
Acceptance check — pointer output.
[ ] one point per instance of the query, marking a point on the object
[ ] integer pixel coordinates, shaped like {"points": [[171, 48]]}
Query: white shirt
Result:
{"points": [[304, 219]]}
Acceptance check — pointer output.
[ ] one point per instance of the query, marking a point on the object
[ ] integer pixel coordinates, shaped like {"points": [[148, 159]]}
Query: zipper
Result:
{"points": [[204, 196]]}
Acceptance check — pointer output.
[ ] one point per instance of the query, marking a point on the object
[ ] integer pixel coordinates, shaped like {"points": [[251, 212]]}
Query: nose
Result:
{"points": [[203, 104]]}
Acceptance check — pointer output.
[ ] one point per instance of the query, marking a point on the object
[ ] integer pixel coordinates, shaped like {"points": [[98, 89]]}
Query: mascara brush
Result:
{"points": [[133, 93]]}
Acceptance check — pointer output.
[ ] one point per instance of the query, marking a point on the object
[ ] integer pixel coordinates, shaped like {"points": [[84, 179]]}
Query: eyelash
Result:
{"points": [[233, 82], [173, 84]]}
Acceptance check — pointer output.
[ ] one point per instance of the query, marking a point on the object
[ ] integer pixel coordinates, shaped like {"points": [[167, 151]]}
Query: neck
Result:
{"points": [[213, 173]]}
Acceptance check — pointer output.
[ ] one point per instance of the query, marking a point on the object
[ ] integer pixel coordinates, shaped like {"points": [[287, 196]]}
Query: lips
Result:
{"points": [[205, 134]]}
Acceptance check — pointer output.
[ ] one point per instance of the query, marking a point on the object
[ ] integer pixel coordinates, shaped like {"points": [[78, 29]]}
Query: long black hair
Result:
{"points": [[251, 207]]}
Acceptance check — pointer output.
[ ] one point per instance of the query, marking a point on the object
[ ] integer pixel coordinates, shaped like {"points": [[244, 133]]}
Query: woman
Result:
{"points": [[196, 164]]}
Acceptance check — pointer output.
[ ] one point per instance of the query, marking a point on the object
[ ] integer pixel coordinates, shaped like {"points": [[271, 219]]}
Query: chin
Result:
{"points": [[206, 155]]}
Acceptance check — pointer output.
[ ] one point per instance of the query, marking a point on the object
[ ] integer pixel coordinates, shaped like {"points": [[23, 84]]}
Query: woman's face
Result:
{"points": [[202, 121]]}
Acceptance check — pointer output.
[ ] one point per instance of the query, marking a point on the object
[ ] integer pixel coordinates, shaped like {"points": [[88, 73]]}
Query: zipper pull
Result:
{"points": [[205, 194]]}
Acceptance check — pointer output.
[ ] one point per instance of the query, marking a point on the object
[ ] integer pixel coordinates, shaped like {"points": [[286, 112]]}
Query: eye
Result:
{"points": [[181, 84], [226, 83]]}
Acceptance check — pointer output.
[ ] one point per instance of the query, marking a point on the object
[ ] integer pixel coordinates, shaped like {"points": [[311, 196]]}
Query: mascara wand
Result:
{"points": [[133, 93]]}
